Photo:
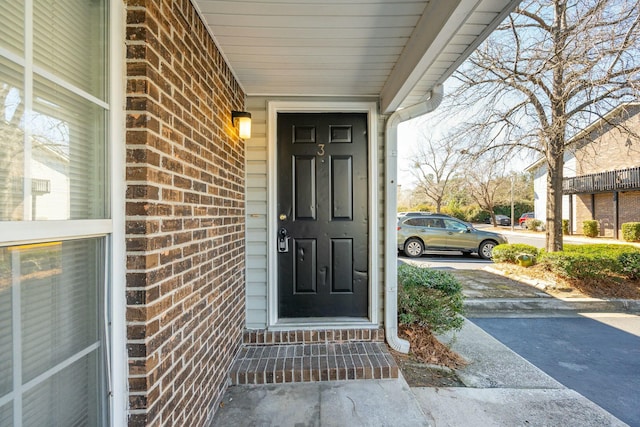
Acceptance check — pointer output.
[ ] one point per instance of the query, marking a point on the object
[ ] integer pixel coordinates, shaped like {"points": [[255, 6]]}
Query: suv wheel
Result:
{"points": [[486, 249], [413, 248]]}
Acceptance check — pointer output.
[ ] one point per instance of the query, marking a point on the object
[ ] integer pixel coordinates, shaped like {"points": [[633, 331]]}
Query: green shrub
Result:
{"points": [[631, 231], [464, 213], [429, 298], [575, 265], [565, 227], [630, 264], [533, 224], [590, 228], [593, 261], [509, 252]]}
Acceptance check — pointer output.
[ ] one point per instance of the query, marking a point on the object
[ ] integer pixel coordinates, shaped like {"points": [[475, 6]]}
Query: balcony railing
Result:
{"points": [[619, 180]]}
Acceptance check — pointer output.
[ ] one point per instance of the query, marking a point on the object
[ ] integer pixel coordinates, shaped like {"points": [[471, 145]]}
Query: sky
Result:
{"points": [[409, 133]]}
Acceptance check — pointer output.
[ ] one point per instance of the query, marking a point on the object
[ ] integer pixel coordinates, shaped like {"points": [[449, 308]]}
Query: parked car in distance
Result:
{"points": [[443, 233], [420, 213], [500, 220], [525, 216]]}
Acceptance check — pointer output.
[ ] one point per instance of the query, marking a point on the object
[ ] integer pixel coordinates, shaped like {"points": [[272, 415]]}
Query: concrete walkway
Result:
{"points": [[502, 389]]}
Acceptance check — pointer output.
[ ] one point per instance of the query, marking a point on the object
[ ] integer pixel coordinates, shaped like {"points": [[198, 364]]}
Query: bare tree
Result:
{"points": [[549, 70], [486, 181], [434, 163]]}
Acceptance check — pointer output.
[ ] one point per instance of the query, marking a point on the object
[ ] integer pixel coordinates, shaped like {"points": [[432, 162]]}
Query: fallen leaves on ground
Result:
{"points": [[612, 287], [609, 287], [429, 362], [426, 348]]}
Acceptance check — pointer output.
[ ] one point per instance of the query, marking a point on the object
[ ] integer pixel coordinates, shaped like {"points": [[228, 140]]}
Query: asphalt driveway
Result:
{"points": [[587, 354]]}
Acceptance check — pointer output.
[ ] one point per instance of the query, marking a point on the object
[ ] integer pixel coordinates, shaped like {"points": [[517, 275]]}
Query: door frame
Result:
{"points": [[371, 109]]}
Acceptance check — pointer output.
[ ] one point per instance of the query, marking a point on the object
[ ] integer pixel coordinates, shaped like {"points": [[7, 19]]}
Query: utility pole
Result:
{"points": [[512, 210]]}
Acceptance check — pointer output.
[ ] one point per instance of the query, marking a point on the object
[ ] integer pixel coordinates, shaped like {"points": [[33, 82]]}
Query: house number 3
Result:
{"points": [[321, 150]]}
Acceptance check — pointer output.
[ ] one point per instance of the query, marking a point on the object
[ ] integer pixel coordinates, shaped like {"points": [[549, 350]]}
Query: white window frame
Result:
{"points": [[370, 108], [112, 230]]}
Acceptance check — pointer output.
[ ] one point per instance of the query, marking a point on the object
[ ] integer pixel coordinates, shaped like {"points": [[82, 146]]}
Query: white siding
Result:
{"points": [[257, 194], [256, 199], [540, 189], [540, 193]]}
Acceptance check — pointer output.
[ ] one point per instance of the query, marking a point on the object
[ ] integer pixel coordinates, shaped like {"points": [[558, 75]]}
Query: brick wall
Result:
{"points": [[604, 213], [629, 207], [583, 210], [609, 148], [185, 225]]}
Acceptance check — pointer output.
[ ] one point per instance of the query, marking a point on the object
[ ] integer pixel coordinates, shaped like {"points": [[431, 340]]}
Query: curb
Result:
{"points": [[562, 305], [546, 305]]}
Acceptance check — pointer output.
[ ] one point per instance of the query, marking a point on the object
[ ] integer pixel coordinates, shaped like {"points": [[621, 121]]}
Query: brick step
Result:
{"points": [[328, 361], [263, 336]]}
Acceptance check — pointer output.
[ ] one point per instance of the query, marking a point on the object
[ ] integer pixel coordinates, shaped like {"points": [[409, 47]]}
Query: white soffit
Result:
{"points": [[394, 50]]}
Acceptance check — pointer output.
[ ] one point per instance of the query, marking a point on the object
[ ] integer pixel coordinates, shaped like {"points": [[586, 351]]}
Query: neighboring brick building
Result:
{"points": [[601, 174]]}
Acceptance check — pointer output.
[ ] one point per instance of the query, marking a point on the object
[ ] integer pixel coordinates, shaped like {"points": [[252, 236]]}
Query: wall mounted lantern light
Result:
{"points": [[242, 120]]}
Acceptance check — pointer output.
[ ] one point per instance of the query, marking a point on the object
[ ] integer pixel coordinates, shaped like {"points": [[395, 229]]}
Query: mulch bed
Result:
{"points": [[612, 287], [429, 363], [608, 287], [426, 348]]}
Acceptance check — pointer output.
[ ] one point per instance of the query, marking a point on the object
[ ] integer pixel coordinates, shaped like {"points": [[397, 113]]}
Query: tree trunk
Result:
{"points": [[555, 174]]}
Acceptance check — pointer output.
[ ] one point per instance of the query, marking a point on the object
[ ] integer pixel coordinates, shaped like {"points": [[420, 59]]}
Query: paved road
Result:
{"points": [[447, 261], [598, 356]]}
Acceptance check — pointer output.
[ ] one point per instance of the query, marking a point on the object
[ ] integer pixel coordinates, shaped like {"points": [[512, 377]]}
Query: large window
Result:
{"points": [[55, 223]]}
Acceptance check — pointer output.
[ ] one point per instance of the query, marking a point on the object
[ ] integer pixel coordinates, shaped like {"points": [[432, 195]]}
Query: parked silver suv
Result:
{"points": [[444, 233]]}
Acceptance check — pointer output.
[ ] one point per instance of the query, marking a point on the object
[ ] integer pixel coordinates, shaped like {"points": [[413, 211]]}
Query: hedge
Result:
{"points": [[509, 252], [631, 231], [590, 228], [593, 261]]}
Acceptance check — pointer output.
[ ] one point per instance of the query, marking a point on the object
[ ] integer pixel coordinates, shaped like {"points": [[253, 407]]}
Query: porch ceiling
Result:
{"points": [[395, 50]]}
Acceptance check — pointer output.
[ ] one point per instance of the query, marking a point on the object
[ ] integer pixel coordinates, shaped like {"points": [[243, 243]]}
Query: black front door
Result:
{"points": [[323, 252]]}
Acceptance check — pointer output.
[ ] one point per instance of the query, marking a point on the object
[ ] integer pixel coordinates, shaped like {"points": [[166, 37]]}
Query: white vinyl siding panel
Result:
{"points": [[540, 189], [256, 205]]}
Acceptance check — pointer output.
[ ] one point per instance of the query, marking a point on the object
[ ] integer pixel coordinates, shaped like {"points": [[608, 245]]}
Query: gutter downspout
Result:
{"points": [[390, 213]]}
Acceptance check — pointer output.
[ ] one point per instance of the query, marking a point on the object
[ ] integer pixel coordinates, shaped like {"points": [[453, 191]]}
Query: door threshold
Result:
{"points": [[323, 323]]}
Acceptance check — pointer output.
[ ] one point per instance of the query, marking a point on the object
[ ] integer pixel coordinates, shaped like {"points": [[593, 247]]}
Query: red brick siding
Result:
{"points": [[185, 209], [610, 148], [628, 210], [583, 210], [604, 213], [629, 207]]}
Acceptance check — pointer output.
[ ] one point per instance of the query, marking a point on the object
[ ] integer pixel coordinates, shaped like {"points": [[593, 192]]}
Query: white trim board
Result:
{"points": [[273, 108]]}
